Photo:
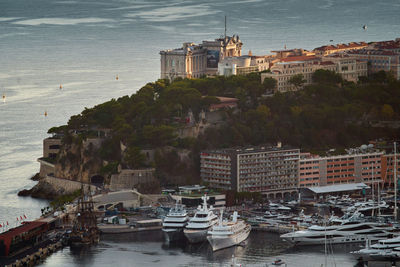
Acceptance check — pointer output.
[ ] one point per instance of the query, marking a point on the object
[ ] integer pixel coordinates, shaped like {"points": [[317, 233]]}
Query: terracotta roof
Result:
{"points": [[374, 52], [341, 46], [298, 58]]}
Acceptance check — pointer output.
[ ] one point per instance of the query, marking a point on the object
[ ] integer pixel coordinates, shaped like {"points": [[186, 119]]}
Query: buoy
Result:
{"points": [[4, 98], [61, 86], [117, 77], [45, 113]]}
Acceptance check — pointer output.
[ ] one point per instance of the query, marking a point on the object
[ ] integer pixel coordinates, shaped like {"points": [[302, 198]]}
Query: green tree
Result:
{"points": [[327, 77], [134, 158], [297, 80], [387, 111], [269, 84]]}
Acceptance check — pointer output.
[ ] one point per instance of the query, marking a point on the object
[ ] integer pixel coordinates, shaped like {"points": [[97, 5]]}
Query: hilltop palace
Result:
{"points": [[223, 56]]}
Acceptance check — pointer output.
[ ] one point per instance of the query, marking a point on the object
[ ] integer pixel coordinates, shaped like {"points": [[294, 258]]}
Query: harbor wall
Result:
{"points": [[65, 185]]}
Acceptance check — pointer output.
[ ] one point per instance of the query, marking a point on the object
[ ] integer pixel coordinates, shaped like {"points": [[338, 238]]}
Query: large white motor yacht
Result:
{"points": [[383, 247], [198, 226], [228, 233], [345, 231], [175, 222]]}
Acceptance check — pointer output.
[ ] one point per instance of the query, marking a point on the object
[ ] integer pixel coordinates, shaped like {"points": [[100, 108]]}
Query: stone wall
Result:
{"points": [[46, 168], [66, 186], [129, 179]]}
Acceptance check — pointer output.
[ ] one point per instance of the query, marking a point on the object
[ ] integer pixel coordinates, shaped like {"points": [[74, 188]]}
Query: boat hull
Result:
{"points": [[196, 236], [172, 235], [334, 240], [218, 242]]}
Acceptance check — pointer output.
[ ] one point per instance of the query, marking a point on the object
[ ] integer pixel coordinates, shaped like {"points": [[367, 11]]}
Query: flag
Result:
{"points": [[17, 218], [24, 216], [20, 218], [7, 223], [0, 225]]}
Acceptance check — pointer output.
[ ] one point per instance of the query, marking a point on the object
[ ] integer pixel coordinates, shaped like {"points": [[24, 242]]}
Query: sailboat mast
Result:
{"points": [[395, 181]]}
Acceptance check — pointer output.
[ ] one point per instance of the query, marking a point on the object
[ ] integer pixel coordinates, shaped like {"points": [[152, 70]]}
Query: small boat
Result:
{"points": [[61, 87], [4, 98], [364, 27], [278, 262], [45, 113], [116, 77]]}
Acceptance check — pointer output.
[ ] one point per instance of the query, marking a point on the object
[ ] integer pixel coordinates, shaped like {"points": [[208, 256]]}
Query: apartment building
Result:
{"points": [[358, 167], [388, 163], [379, 60], [260, 169], [286, 68], [350, 68], [196, 60]]}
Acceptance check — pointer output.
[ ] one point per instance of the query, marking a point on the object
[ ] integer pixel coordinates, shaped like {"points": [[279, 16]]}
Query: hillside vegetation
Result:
{"points": [[329, 113]]}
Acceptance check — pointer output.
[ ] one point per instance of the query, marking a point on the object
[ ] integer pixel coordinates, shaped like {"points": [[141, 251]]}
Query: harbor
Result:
{"points": [[281, 227]]}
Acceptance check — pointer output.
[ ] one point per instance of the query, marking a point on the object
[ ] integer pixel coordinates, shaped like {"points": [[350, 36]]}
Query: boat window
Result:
{"points": [[361, 227]]}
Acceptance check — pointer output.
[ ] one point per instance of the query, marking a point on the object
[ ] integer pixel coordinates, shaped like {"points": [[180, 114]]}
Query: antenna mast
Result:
{"points": [[225, 28]]}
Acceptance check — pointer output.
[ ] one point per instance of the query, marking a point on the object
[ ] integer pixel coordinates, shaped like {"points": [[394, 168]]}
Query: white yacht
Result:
{"points": [[384, 247], [278, 207], [175, 222], [345, 231], [228, 233], [198, 226]]}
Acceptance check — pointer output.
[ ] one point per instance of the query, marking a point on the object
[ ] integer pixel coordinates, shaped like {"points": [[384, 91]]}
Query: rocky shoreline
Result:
{"points": [[42, 190]]}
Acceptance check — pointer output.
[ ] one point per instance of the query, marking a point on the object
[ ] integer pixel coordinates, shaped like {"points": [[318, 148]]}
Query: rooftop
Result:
{"points": [[338, 188], [241, 150], [25, 227]]}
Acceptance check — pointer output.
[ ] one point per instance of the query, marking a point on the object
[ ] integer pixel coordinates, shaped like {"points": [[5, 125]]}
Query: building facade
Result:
{"points": [[196, 60], [388, 164], [341, 169], [379, 60], [244, 65], [261, 169], [348, 67], [284, 70]]}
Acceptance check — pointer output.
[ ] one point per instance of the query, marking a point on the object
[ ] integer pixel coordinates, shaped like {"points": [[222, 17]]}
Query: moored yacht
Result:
{"points": [[382, 248], [228, 233], [345, 231], [175, 222], [198, 226]]}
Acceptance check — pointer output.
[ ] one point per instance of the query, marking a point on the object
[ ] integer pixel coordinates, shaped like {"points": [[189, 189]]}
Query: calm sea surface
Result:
{"points": [[83, 45]]}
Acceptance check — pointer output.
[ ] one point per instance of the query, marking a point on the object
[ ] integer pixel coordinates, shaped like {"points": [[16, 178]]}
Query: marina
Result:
{"points": [[287, 206]]}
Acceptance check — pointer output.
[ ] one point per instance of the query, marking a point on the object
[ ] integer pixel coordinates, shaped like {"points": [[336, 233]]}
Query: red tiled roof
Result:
{"points": [[374, 52], [298, 58], [341, 46]]}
